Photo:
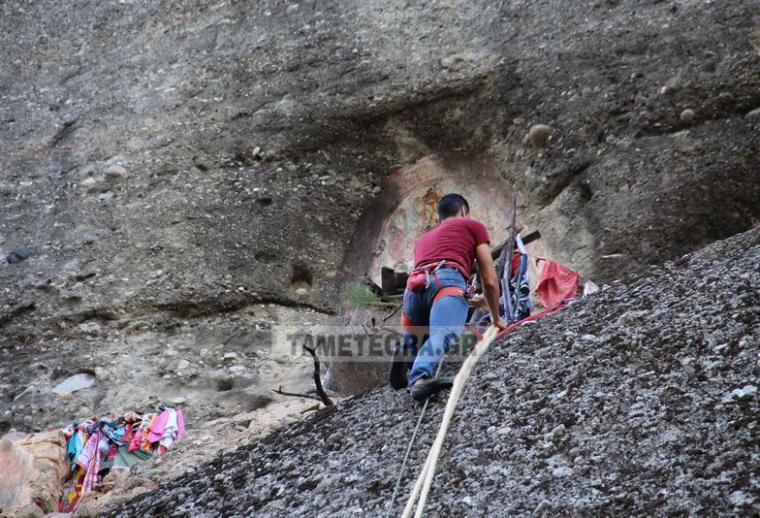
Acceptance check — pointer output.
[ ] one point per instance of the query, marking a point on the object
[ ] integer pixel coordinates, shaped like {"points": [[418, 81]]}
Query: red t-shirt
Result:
{"points": [[454, 240]]}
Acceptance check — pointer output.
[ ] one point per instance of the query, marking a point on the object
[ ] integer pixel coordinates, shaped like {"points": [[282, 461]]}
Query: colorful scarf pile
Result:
{"points": [[96, 445]]}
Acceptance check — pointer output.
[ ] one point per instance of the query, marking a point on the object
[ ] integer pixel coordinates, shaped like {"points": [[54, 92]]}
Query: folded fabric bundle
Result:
{"points": [[97, 445]]}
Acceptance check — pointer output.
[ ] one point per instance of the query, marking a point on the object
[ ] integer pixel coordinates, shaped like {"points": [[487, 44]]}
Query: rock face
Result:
{"points": [[170, 164], [213, 366], [640, 400], [32, 468]]}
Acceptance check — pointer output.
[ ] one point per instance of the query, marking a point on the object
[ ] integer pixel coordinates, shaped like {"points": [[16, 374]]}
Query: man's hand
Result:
{"points": [[499, 324], [491, 286], [490, 282], [477, 301]]}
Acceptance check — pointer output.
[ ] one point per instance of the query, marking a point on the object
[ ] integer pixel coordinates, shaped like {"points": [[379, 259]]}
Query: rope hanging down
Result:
{"points": [[408, 450], [425, 479]]}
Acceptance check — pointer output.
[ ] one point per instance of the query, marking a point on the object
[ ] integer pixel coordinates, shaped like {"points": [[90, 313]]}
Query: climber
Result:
{"points": [[435, 295]]}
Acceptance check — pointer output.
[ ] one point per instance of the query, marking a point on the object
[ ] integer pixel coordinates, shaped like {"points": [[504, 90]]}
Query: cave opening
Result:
{"points": [[407, 207], [301, 278]]}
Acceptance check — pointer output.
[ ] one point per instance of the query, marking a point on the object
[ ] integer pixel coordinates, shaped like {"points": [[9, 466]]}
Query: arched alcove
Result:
{"points": [[406, 208]]}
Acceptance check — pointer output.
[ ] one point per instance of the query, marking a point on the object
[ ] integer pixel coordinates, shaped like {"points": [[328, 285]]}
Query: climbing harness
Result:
{"points": [[428, 273]]}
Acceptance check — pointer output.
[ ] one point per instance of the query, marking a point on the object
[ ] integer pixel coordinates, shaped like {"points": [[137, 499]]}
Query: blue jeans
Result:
{"points": [[445, 318]]}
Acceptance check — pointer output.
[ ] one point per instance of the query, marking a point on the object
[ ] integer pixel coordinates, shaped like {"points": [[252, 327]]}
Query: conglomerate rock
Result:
{"points": [[171, 166], [160, 156], [639, 400], [34, 467], [169, 161]]}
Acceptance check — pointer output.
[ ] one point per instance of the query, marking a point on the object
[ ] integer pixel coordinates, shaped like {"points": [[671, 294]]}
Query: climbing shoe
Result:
{"points": [[430, 387], [399, 368]]}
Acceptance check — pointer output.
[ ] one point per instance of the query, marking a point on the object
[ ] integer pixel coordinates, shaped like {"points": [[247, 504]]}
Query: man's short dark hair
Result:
{"points": [[450, 205]]}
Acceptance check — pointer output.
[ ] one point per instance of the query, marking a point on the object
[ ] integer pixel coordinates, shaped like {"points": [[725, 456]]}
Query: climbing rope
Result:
{"points": [[425, 479], [428, 469], [409, 449]]}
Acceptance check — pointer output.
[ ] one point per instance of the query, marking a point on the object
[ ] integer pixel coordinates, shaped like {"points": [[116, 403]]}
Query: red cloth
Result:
{"points": [[455, 240], [134, 445], [556, 284], [515, 263], [127, 437]]}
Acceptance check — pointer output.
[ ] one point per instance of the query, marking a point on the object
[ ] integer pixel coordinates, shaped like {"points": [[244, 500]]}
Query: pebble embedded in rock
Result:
{"points": [[16, 256], [557, 433], [88, 182], [89, 238], [687, 116], [238, 370], [744, 393], [116, 172], [671, 86], [457, 61], [740, 499], [562, 472], [538, 135], [469, 501], [753, 115]]}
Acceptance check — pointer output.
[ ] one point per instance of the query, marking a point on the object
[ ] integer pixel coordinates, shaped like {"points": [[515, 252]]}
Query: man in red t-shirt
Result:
{"points": [[435, 295]]}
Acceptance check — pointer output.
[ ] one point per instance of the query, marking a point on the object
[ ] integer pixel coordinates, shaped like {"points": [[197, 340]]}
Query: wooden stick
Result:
{"points": [[321, 395], [317, 380], [295, 394]]}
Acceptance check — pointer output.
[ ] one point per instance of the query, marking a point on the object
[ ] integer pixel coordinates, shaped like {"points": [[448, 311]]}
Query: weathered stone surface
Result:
{"points": [[73, 383], [538, 135], [32, 469], [255, 135], [633, 422]]}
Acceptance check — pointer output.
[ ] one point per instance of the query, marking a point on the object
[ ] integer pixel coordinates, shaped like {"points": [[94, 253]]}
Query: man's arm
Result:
{"points": [[490, 281]]}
